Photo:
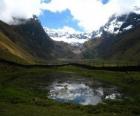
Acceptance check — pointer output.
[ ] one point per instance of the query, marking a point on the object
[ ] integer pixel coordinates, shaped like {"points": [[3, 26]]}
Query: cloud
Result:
{"points": [[19, 9], [64, 30], [92, 14]]}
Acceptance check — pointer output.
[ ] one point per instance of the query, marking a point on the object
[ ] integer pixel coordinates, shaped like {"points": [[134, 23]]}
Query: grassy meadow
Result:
{"points": [[20, 94]]}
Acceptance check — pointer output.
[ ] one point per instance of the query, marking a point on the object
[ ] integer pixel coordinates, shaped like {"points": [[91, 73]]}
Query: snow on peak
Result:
{"points": [[113, 27], [68, 35], [128, 27], [118, 24]]}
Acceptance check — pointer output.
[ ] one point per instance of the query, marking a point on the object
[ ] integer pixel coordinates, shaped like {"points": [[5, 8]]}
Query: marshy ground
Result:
{"points": [[21, 92]]}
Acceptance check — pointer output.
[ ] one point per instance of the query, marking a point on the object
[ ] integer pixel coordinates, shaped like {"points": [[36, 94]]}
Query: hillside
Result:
{"points": [[118, 40], [28, 42], [9, 49]]}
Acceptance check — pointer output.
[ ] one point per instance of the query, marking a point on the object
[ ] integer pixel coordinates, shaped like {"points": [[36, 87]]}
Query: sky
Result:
{"points": [[64, 18], [77, 15]]}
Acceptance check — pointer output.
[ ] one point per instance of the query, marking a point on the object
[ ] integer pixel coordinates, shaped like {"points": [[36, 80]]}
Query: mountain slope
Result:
{"points": [[11, 51], [127, 47], [34, 39], [117, 40], [29, 42]]}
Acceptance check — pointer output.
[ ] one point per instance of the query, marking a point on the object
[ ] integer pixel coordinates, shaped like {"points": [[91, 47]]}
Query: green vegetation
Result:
{"points": [[20, 87], [20, 93], [124, 47], [29, 43], [10, 51]]}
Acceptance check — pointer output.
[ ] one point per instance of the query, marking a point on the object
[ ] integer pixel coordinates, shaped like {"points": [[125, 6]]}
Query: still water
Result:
{"points": [[81, 91]]}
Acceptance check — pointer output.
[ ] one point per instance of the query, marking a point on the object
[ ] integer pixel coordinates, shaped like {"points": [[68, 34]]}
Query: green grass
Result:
{"points": [[12, 52], [20, 95]]}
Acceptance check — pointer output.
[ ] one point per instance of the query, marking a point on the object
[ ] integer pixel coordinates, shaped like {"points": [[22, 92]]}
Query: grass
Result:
{"points": [[20, 94], [10, 51]]}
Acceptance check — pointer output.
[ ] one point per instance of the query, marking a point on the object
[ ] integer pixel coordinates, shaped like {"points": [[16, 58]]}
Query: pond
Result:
{"points": [[79, 90]]}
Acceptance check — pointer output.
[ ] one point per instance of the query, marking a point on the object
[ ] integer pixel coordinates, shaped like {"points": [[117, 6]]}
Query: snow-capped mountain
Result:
{"points": [[68, 37], [118, 24], [117, 40]]}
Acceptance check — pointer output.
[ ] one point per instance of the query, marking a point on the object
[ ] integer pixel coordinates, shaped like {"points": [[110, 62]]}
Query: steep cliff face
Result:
{"points": [[35, 40]]}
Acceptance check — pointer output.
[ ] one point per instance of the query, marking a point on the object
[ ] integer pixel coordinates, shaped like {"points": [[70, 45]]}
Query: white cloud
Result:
{"points": [[92, 14], [19, 8], [64, 30]]}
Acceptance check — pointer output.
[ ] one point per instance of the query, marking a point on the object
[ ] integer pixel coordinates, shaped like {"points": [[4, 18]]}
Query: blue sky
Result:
{"points": [[104, 1], [56, 20], [78, 15], [59, 20]]}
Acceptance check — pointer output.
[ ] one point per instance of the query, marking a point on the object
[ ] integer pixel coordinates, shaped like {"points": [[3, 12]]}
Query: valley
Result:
{"points": [[46, 72], [21, 92]]}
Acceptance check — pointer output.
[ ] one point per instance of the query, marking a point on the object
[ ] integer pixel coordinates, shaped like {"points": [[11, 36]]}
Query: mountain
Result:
{"points": [[27, 42], [73, 38], [118, 39], [10, 48], [118, 25]]}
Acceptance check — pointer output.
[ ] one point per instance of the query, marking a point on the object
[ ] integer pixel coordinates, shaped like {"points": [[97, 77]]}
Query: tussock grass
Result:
{"points": [[20, 96]]}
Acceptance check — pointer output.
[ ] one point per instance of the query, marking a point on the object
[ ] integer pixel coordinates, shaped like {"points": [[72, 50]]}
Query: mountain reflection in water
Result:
{"points": [[81, 92]]}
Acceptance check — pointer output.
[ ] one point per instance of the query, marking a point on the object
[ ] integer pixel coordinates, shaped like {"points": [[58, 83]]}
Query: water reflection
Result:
{"points": [[81, 92]]}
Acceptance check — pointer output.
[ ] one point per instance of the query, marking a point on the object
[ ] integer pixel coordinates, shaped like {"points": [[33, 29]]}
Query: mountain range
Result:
{"points": [[118, 39], [29, 42], [73, 38]]}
